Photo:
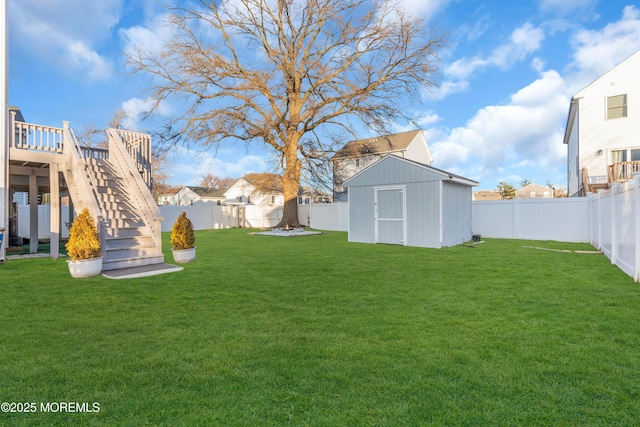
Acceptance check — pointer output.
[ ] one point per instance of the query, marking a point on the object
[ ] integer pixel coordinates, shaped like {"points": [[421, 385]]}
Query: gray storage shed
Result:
{"points": [[402, 202]]}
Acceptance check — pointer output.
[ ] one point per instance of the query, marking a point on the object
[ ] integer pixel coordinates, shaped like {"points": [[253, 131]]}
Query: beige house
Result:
{"points": [[535, 191], [261, 189], [486, 195], [190, 195], [357, 155]]}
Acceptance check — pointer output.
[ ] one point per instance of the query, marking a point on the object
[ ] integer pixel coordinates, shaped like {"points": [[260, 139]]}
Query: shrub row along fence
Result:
{"points": [[609, 220]]}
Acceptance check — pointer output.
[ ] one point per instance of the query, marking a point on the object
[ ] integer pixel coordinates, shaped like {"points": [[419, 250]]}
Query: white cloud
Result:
{"points": [[135, 108], [498, 136], [598, 51], [64, 33], [150, 37], [424, 8], [188, 166], [522, 42]]}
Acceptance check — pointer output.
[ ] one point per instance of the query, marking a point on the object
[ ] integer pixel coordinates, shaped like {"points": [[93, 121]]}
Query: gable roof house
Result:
{"points": [[256, 189], [602, 130], [534, 191], [189, 195], [357, 155]]}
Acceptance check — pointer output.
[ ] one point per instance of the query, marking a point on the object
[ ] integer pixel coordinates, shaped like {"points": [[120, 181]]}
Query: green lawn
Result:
{"points": [[315, 331]]}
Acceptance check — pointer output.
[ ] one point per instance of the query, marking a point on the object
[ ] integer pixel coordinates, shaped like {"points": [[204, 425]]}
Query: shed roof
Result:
{"points": [[423, 172], [377, 145]]}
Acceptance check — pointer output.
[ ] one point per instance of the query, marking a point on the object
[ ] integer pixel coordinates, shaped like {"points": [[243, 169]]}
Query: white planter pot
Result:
{"points": [[182, 256], [85, 267]]}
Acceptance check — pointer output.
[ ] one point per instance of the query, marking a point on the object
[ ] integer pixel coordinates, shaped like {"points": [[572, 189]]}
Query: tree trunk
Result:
{"points": [[290, 185]]}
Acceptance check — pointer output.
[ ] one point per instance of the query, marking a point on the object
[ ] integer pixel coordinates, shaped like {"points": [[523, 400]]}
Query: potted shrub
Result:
{"points": [[183, 240], [83, 247]]}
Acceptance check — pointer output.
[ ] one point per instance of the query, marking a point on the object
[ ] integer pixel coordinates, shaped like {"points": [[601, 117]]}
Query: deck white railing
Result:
{"points": [[29, 136], [119, 156]]}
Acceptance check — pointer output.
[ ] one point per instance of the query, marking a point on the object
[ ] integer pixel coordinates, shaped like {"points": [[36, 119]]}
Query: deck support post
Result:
{"points": [[54, 223], [33, 213]]}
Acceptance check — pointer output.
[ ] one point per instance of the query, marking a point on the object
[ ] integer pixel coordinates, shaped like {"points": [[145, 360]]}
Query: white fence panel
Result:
{"points": [[262, 216], [566, 220], [44, 218], [606, 218], [329, 216], [201, 216]]}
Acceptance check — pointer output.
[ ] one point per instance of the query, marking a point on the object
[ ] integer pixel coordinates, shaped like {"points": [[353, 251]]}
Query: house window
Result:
{"points": [[616, 106], [273, 199], [357, 163]]}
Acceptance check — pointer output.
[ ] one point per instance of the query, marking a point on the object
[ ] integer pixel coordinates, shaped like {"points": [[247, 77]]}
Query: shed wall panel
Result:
{"points": [[457, 215], [423, 214]]}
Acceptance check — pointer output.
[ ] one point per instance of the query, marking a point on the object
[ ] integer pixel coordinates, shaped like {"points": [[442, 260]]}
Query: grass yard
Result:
{"points": [[314, 331]]}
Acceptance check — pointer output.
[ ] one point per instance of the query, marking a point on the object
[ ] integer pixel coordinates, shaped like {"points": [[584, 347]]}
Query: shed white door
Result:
{"points": [[390, 215]]}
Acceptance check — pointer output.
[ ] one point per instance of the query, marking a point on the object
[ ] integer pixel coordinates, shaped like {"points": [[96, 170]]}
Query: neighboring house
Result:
{"points": [[357, 155], [602, 130], [534, 191], [260, 189], [189, 195], [170, 198], [486, 195], [399, 201], [312, 195]]}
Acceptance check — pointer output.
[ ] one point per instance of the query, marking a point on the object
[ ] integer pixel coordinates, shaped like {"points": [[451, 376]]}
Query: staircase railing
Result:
{"points": [[87, 188], [138, 190], [623, 171], [138, 145]]}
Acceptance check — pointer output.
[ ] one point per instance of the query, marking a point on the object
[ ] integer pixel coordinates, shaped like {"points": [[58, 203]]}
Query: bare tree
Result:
{"points": [[210, 180], [285, 72]]}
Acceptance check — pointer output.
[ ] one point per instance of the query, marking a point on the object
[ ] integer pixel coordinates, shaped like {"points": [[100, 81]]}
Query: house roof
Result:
{"points": [[265, 182], [208, 193], [19, 116], [378, 145], [446, 176], [532, 187]]}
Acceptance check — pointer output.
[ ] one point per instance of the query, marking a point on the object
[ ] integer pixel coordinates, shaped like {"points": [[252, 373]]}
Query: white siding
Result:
{"points": [[595, 131]]}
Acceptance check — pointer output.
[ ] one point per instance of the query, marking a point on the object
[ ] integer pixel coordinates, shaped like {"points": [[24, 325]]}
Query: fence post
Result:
{"points": [[615, 191], [636, 215]]}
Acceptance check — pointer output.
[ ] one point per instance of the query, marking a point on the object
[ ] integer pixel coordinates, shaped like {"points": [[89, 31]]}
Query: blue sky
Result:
{"points": [[506, 78]]}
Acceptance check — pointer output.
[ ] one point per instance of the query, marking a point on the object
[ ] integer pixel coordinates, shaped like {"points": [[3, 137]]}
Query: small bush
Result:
{"points": [[84, 240], [182, 236]]}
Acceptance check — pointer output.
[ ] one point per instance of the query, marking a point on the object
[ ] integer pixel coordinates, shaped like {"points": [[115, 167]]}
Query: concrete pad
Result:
{"points": [[141, 271]]}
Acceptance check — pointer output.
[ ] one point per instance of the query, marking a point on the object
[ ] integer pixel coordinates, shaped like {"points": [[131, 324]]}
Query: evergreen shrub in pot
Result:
{"points": [[83, 247], [183, 240]]}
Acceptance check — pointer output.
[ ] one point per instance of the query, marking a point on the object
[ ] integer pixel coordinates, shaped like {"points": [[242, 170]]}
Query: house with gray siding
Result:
{"points": [[399, 201]]}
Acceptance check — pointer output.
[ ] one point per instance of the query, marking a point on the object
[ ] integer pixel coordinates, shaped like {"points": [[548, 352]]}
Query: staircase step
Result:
{"points": [[113, 232], [114, 264], [120, 243], [137, 252]]}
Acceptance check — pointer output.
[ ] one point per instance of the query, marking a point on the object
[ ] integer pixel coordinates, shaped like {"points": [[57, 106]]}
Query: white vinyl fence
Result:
{"points": [[565, 220], [609, 220]]}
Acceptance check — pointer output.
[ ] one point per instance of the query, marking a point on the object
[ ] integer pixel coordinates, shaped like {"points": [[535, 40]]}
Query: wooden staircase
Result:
{"points": [[110, 184], [128, 240]]}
